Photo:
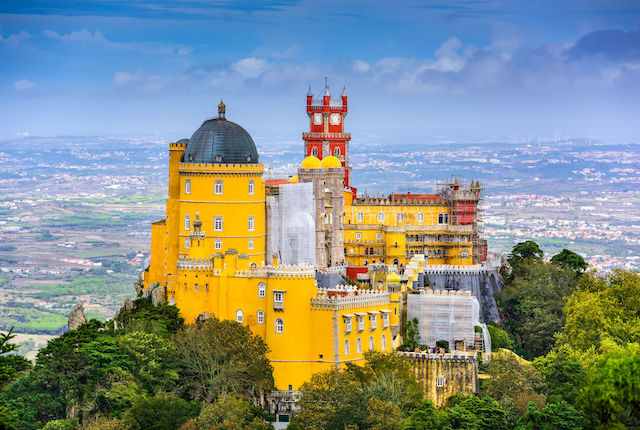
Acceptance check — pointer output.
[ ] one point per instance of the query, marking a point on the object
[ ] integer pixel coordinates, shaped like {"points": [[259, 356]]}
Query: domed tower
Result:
{"points": [[216, 199], [327, 176]]}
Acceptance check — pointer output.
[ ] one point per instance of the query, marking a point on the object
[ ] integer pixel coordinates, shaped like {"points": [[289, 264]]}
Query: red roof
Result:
{"points": [[277, 181], [417, 197]]}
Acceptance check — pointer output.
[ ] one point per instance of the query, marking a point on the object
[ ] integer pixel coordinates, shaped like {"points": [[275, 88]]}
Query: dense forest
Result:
{"points": [[568, 358]]}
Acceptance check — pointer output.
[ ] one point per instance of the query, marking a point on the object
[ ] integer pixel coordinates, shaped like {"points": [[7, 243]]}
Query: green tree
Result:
{"points": [[555, 416], [603, 314], [115, 393], [499, 337], [221, 357], [230, 412], [61, 425], [513, 378], [11, 365], [162, 320], [383, 415], [524, 250], [472, 412], [155, 359], [570, 260], [612, 394], [424, 417], [412, 335], [564, 376], [163, 411], [533, 304]]}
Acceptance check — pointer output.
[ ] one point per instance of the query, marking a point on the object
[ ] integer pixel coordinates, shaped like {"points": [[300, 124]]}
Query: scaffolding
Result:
{"points": [[464, 201], [447, 316], [291, 227]]}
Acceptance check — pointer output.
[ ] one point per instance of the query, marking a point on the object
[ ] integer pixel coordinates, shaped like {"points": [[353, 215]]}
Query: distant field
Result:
{"points": [[29, 343]]}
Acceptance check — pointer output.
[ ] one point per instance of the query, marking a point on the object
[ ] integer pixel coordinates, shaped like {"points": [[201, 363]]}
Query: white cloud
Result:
{"points": [[23, 84], [83, 35], [122, 78], [251, 67], [15, 38], [184, 51], [361, 66]]}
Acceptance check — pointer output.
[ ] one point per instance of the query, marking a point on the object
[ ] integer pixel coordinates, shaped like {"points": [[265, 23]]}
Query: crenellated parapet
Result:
{"points": [[286, 271], [249, 169], [354, 298], [385, 201], [446, 269], [197, 264]]}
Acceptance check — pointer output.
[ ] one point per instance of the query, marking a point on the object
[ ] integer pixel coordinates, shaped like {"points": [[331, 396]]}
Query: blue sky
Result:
{"points": [[414, 71]]}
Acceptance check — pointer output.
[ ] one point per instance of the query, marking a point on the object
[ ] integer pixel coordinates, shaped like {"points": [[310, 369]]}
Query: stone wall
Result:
{"points": [[445, 375]]}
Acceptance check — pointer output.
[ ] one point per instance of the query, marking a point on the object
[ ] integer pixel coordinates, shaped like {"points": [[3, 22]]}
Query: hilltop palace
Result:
{"points": [[274, 254]]}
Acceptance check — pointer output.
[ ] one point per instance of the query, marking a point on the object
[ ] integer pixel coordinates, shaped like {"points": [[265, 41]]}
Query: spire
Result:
{"points": [[221, 110], [309, 93], [326, 87], [344, 91]]}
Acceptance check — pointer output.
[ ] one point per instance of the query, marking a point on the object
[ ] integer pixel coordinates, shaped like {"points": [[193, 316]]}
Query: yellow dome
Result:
{"points": [[310, 162], [331, 162], [294, 179], [393, 278]]}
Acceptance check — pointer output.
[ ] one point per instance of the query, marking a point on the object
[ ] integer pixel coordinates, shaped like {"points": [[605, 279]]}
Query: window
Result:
{"points": [[218, 223], [346, 347], [239, 316], [279, 326], [187, 222], [400, 217], [206, 288], [359, 346], [378, 236], [262, 290], [251, 187], [358, 235], [186, 243], [360, 217], [371, 344], [195, 288], [250, 245], [385, 319], [383, 343], [420, 217], [360, 322], [218, 187], [260, 317], [443, 218], [278, 297], [439, 382], [252, 221], [336, 151], [380, 216], [374, 321], [314, 152], [187, 186], [185, 287], [464, 253], [347, 324], [217, 244]]}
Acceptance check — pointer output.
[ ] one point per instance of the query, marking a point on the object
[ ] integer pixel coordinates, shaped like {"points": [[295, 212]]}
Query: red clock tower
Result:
{"points": [[326, 134]]}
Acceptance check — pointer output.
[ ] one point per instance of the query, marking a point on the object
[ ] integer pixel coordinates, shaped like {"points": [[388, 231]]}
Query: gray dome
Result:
{"points": [[220, 141]]}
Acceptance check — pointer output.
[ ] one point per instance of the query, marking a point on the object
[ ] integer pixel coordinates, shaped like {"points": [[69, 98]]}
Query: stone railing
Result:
{"points": [[450, 356], [362, 298]]}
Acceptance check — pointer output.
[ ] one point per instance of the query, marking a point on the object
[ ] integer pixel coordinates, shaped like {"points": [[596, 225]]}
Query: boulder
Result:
{"points": [[505, 267], [158, 296], [76, 317], [128, 305], [147, 293]]}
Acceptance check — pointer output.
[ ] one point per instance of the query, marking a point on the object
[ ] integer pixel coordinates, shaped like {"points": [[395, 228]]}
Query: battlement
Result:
{"points": [[461, 356], [355, 298], [197, 264], [249, 168], [177, 146], [404, 201], [446, 269]]}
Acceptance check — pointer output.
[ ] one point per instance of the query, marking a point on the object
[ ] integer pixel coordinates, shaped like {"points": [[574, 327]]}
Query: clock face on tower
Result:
{"points": [[317, 118], [335, 118]]}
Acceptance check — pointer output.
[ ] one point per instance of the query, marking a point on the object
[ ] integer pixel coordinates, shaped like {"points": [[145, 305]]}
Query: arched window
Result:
{"points": [[262, 290], [218, 187], [346, 347], [218, 223], [371, 344], [314, 152], [252, 222], [251, 187], [336, 151], [464, 253], [360, 217], [380, 216], [359, 346], [420, 217], [400, 217], [370, 251], [383, 343], [261, 317], [187, 186], [279, 326], [239, 316]]}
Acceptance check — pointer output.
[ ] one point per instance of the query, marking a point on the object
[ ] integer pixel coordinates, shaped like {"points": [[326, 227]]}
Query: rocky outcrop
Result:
{"points": [[505, 268], [156, 293], [76, 317], [129, 305]]}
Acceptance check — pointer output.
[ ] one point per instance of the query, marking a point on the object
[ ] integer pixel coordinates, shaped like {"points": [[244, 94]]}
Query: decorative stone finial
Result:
{"points": [[221, 110]]}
